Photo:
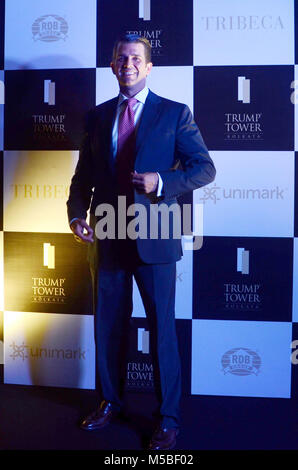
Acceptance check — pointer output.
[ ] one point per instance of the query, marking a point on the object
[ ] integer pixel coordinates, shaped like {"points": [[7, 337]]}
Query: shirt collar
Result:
{"points": [[141, 96]]}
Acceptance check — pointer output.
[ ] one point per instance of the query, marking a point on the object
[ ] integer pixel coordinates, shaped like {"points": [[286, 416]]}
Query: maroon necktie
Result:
{"points": [[126, 149]]}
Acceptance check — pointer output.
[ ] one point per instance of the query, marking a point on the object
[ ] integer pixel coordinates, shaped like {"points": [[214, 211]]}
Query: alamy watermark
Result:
{"points": [[156, 221]]}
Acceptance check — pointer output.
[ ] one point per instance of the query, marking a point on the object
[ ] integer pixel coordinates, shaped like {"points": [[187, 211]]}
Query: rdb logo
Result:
{"points": [[49, 28], [241, 361]]}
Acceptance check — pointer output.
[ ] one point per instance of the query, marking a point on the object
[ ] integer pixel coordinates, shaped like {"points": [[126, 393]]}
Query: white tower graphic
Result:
{"points": [[49, 255], [145, 9], [242, 261], [243, 89], [49, 92], [143, 340]]}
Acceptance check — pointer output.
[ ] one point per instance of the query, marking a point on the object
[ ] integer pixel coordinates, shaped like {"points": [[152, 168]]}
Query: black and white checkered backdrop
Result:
{"points": [[233, 64]]}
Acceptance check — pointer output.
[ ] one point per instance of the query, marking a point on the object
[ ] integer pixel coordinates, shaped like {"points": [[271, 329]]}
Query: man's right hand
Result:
{"points": [[82, 232]]}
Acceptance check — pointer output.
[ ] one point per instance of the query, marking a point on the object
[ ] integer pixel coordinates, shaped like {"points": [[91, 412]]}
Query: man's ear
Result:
{"points": [[149, 66]]}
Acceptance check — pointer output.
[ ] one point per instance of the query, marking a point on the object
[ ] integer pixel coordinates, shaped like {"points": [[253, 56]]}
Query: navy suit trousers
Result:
{"points": [[156, 283]]}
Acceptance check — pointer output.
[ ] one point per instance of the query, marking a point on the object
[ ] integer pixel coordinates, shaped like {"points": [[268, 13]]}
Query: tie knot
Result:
{"points": [[131, 102]]}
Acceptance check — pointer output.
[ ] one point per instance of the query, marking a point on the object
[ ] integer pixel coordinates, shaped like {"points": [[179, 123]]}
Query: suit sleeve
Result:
{"points": [[81, 188], [196, 168]]}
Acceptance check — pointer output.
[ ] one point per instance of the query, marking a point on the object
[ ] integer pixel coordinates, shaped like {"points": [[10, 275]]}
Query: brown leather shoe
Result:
{"points": [[99, 418], [163, 439]]}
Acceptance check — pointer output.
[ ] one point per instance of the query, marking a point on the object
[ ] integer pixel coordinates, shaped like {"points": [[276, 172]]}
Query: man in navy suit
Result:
{"points": [[167, 158]]}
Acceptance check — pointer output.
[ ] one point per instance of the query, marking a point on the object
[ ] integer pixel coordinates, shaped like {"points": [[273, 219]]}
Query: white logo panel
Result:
{"points": [[241, 358], [49, 349], [252, 195], [106, 85], [36, 187], [35, 39], [174, 83], [179, 88], [243, 33]]}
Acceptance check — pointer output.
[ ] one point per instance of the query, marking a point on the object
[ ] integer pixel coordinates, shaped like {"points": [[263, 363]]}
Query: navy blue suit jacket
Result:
{"points": [[168, 141]]}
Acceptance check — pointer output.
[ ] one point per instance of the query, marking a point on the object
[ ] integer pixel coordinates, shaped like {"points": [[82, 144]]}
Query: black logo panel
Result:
{"points": [[45, 109], [245, 108], [243, 279], [166, 24], [46, 273]]}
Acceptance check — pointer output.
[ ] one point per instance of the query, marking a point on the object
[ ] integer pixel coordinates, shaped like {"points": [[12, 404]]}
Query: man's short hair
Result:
{"points": [[134, 38]]}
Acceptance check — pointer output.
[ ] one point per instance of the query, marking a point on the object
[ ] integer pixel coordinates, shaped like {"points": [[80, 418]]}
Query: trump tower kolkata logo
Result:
{"points": [[244, 125], [49, 28], [49, 127], [140, 372], [48, 289], [241, 295], [153, 35], [241, 361]]}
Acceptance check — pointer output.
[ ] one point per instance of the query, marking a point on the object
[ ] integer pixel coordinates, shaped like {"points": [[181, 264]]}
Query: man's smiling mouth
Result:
{"points": [[128, 74]]}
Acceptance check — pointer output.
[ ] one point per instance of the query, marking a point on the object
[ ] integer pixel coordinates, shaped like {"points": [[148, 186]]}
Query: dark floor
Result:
{"points": [[39, 418]]}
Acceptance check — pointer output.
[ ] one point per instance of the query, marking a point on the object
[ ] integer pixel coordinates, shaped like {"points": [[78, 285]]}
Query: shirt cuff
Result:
{"points": [[72, 220]]}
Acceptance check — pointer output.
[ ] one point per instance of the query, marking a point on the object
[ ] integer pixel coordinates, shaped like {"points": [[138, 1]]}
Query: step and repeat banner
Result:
{"points": [[233, 64]]}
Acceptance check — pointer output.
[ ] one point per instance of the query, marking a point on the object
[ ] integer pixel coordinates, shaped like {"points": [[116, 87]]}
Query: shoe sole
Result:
{"points": [[97, 428]]}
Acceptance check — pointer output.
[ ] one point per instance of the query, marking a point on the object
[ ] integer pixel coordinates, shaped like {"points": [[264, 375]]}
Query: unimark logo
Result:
{"points": [[216, 193], [241, 361], [24, 351], [49, 28]]}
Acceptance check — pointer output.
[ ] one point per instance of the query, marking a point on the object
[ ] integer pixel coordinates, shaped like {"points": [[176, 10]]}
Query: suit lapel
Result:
{"points": [[106, 122], [109, 118], [150, 114]]}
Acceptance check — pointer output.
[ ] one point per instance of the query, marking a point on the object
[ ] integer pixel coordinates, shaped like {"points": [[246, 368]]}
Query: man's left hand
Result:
{"points": [[145, 182]]}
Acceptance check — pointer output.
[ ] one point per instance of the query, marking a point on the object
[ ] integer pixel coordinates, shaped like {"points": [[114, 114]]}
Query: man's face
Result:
{"points": [[130, 67]]}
